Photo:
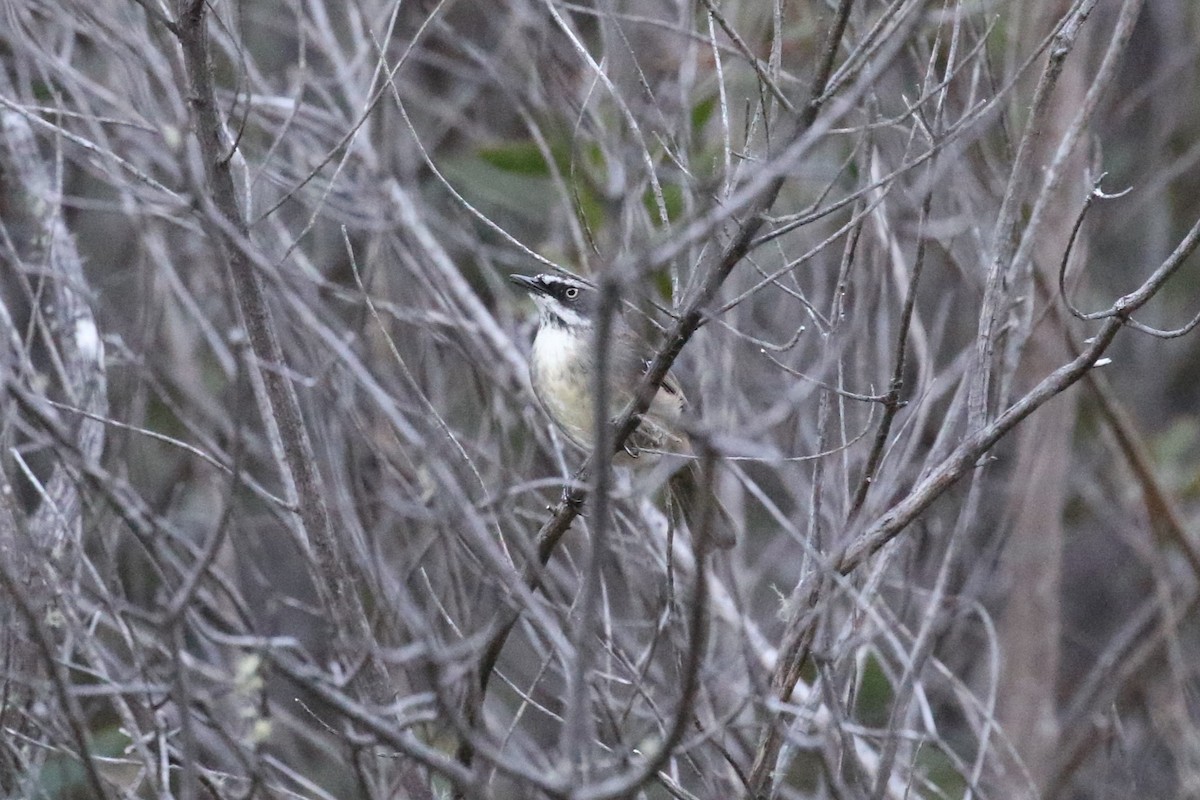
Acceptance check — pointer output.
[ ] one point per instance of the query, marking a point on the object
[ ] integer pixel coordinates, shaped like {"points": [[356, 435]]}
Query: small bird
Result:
{"points": [[562, 369]]}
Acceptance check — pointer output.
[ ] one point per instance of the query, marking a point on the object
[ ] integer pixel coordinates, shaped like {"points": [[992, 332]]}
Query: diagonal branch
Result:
{"points": [[964, 457]]}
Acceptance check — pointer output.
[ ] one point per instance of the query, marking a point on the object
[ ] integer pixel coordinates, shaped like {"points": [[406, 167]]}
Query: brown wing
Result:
{"points": [[660, 424], [671, 386]]}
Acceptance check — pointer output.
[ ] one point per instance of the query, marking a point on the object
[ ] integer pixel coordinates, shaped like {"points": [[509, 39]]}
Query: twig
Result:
{"points": [[58, 678], [963, 458], [1004, 236], [279, 403], [891, 400]]}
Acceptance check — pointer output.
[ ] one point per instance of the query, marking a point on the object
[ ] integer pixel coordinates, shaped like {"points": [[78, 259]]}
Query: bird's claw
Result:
{"points": [[571, 500]]}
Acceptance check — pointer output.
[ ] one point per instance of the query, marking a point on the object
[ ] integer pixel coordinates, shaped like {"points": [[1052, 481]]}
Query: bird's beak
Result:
{"points": [[527, 283]]}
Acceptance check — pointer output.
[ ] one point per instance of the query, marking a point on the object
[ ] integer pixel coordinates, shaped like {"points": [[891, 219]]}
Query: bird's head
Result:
{"points": [[563, 302]]}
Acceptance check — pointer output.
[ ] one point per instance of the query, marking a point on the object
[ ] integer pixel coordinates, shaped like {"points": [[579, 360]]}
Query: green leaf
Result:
{"points": [[590, 208], [874, 695], [520, 158], [672, 196], [702, 112], [662, 282]]}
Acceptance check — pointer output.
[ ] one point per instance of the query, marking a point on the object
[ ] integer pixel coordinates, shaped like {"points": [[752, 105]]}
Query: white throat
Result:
{"points": [[557, 344], [557, 315]]}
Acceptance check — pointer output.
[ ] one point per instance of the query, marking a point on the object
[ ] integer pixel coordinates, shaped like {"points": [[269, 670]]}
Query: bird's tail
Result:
{"points": [[689, 493]]}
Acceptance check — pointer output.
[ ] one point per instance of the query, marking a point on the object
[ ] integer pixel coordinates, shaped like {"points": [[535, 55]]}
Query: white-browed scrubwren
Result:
{"points": [[562, 369]]}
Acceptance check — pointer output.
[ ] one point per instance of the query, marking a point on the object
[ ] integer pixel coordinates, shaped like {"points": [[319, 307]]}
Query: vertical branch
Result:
{"points": [[278, 403], [891, 400], [1031, 624], [1005, 234], [41, 244], [578, 714], [38, 248]]}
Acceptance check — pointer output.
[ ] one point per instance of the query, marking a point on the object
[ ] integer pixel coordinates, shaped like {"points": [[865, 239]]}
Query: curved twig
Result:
{"points": [[963, 458], [1094, 195]]}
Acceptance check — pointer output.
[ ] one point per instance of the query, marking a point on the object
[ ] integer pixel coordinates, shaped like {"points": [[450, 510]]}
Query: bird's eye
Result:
{"points": [[571, 293]]}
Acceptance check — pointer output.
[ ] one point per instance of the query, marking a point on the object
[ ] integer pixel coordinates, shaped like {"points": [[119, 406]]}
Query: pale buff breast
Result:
{"points": [[565, 391]]}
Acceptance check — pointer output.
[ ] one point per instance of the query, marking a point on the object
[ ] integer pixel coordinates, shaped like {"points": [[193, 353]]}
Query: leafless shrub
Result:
{"points": [[281, 517]]}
